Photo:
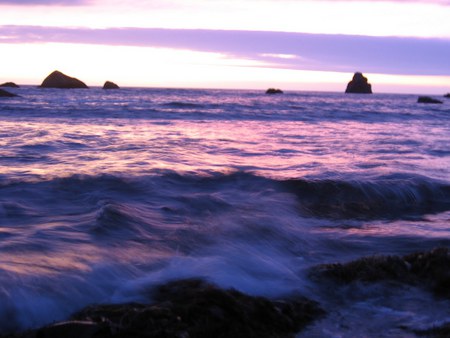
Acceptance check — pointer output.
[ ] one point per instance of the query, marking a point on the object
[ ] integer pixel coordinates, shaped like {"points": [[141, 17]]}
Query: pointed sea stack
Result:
{"points": [[427, 99], [110, 85], [9, 85], [274, 91], [4, 93], [359, 85], [60, 80]]}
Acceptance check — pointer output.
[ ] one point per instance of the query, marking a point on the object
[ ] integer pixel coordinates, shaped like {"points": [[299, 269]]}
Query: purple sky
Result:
{"points": [[343, 53], [391, 38]]}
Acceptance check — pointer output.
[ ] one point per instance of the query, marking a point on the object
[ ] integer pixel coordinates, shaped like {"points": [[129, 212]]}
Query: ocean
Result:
{"points": [[106, 193]]}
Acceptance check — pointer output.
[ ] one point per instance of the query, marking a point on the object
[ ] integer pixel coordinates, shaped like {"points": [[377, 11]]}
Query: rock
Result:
{"points": [[427, 99], [4, 93], [442, 331], [447, 95], [60, 80], [359, 85], [274, 91], [430, 270], [189, 308], [110, 85], [9, 85]]}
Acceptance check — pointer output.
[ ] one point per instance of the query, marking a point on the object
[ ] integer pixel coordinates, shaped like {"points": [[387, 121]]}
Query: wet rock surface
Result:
{"points": [[110, 85], [59, 80], [274, 91], [430, 270], [9, 85], [4, 93], [188, 308], [359, 85], [442, 331], [427, 99]]}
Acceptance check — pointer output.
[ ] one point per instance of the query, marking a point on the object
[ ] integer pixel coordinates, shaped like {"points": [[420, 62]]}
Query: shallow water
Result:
{"points": [[106, 193]]}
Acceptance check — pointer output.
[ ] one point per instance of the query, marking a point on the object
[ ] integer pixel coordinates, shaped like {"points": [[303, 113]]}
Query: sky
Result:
{"points": [[402, 46]]}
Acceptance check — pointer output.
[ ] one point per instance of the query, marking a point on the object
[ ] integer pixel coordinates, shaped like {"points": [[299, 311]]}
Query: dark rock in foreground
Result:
{"points": [[4, 93], [427, 99], [274, 91], [9, 85], [60, 80], [430, 270], [442, 331], [189, 308], [110, 85], [359, 85]]}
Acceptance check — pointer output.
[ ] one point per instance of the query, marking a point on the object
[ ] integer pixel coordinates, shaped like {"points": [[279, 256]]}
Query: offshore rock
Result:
{"points": [[188, 308], [60, 80], [359, 85], [427, 99], [274, 91], [430, 270], [447, 95], [110, 85], [9, 85], [4, 93]]}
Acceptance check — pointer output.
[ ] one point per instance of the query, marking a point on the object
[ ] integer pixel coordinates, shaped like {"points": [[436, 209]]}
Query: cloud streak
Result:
{"points": [[300, 51], [43, 2]]}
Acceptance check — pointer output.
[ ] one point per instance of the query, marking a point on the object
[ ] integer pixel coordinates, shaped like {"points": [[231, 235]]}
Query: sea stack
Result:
{"points": [[427, 99], [274, 91], [9, 85], [4, 93], [60, 80], [110, 85], [359, 85], [447, 95]]}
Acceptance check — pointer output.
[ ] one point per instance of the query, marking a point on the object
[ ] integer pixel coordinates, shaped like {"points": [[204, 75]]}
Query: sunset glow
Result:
{"points": [[37, 37]]}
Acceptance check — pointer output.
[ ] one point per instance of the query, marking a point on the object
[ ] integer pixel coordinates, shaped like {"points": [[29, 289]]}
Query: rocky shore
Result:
{"points": [[187, 309], [195, 308]]}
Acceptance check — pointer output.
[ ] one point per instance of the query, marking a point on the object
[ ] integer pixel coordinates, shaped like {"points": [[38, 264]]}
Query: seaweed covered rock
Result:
{"points": [[110, 85], [442, 331], [427, 99], [60, 80], [4, 93], [189, 308], [430, 270], [9, 85], [359, 85], [274, 91]]}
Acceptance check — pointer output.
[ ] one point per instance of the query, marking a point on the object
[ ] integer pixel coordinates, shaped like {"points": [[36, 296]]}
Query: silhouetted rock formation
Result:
{"points": [[189, 308], [110, 85], [60, 80], [427, 99], [447, 95], [9, 85], [426, 269], [4, 93], [359, 85], [274, 91]]}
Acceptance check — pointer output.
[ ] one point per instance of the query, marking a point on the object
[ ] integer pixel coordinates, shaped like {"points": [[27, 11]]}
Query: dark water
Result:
{"points": [[105, 194]]}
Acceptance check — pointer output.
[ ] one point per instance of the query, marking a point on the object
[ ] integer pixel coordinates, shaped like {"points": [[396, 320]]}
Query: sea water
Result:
{"points": [[105, 194]]}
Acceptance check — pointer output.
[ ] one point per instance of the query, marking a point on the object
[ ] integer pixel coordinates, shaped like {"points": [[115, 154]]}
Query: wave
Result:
{"points": [[385, 198], [389, 197], [180, 104]]}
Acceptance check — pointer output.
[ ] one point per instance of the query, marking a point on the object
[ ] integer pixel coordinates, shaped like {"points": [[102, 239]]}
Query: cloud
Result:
{"points": [[43, 2], [343, 53]]}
